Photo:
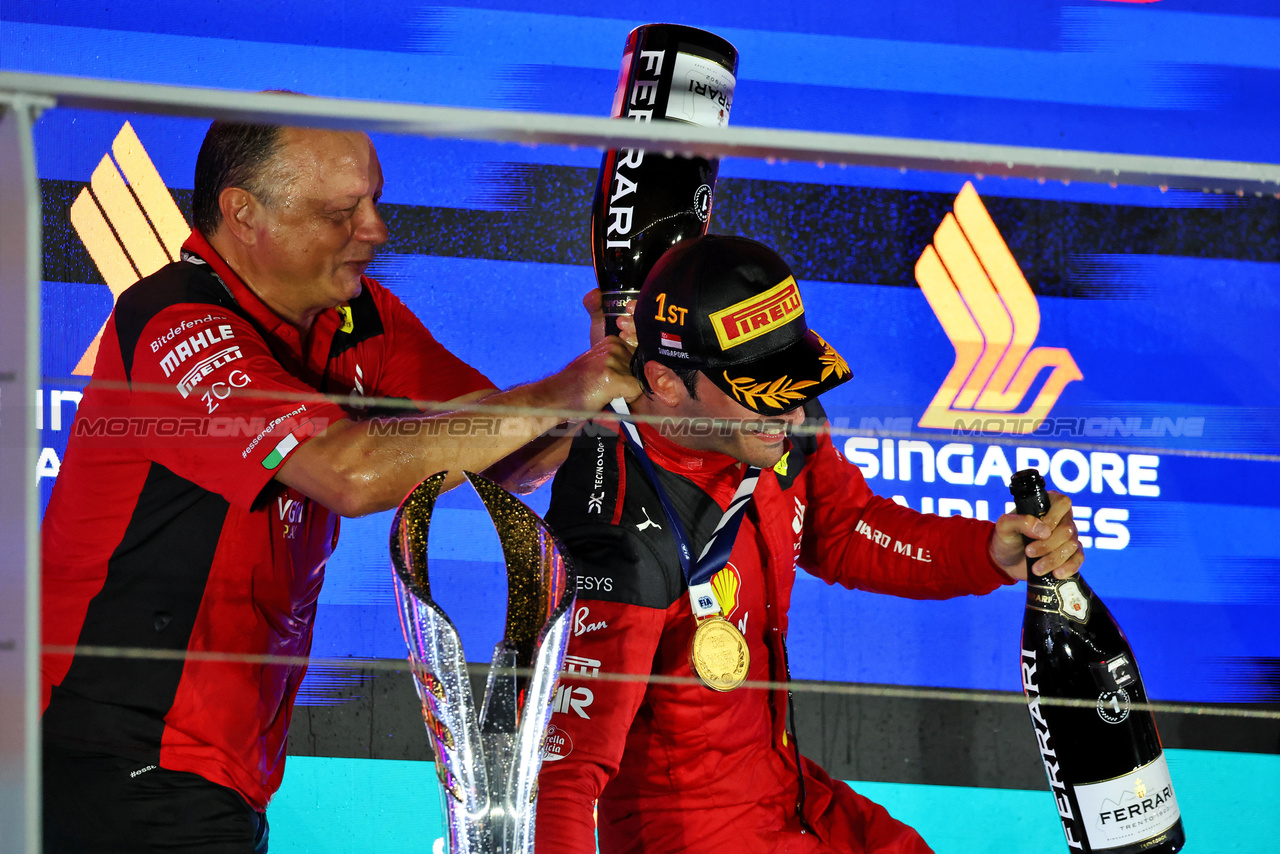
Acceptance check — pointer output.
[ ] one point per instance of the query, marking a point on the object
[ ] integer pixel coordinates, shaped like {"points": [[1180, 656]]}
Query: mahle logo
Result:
{"points": [[989, 312], [128, 221]]}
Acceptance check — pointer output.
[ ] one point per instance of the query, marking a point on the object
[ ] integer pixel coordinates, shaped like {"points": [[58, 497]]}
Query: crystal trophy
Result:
{"points": [[488, 763]]}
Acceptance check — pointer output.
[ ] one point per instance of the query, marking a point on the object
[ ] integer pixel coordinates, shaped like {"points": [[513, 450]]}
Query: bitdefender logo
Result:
{"points": [[987, 309], [128, 222]]}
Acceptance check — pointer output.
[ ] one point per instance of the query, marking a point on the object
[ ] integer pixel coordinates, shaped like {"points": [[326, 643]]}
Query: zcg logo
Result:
{"points": [[222, 390]]}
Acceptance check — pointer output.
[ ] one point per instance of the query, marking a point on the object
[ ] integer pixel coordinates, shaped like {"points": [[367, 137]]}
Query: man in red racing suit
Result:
{"points": [[671, 765]]}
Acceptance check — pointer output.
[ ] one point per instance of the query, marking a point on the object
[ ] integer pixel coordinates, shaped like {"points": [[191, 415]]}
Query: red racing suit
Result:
{"points": [[676, 766], [167, 531]]}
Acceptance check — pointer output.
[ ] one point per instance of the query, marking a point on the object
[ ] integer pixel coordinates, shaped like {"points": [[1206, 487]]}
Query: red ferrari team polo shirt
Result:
{"points": [[166, 531]]}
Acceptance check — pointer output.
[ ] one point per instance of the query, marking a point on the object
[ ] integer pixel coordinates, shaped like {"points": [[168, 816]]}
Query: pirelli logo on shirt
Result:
{"points": [[747, 320], [128, 222], [206, 366], [185, 349]]}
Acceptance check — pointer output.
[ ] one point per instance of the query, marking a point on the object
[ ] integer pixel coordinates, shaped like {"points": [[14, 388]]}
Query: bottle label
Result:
{"points": [[1041, 597], [1072, 602], [1128, 809], [701, 92], [1059, 597]]}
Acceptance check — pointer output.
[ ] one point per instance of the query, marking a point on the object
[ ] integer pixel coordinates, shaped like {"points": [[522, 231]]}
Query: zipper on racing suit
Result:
{"points": [[790, 729]]}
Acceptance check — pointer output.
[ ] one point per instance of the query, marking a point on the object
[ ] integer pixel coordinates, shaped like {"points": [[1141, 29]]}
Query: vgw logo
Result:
{"points": [[989, 312], [128, 222]]}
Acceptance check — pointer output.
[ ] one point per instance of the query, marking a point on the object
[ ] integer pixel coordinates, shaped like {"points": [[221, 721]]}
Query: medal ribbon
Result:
{"points": [[714, 556]]}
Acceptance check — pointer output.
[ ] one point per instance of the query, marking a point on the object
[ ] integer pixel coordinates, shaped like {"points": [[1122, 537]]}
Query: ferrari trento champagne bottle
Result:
{"points": [[645, 201], [1104, 761]]}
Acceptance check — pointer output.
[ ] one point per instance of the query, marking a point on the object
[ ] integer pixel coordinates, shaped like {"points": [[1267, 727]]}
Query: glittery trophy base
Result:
{"points": [[487, 763]]}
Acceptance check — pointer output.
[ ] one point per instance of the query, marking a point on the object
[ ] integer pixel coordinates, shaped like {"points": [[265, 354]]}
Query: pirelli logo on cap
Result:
{"points": [[751, 318]]}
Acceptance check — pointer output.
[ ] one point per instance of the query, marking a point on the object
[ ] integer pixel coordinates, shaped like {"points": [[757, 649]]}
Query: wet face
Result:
{"points": [[754, 439], [321, 224]]}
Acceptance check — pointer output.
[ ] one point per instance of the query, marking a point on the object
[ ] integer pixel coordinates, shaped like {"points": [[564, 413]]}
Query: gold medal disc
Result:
{"points": [[719, 654]]}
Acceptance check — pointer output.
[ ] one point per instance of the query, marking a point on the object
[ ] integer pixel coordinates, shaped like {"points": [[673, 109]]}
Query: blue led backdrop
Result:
{"points": [[1151, 314]]}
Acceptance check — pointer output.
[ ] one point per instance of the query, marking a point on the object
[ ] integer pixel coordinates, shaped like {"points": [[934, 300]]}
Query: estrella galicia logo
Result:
{"points": [[974, 286]]}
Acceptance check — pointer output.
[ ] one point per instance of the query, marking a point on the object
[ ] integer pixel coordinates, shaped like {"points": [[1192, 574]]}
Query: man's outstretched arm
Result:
{"points": [[356, 468]]}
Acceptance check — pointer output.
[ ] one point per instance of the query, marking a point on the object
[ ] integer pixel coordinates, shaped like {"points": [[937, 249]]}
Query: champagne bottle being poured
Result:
{"points": [[648, 201]]}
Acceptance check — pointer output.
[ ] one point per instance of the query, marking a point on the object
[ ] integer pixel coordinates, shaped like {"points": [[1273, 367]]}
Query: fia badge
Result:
{"points": [[1072, 603], [719, 654]]}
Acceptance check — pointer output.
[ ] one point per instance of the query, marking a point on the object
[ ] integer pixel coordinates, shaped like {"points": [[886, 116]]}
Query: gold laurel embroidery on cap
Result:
{"points": [[832, 362], [777, 394]]}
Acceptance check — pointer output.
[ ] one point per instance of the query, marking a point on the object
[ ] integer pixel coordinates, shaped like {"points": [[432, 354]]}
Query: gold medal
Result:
{"points": [[719, 654]]}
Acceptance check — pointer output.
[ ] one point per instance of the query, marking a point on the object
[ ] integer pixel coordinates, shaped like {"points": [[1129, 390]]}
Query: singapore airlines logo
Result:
{"points": [[989, 312], [128, 221]]}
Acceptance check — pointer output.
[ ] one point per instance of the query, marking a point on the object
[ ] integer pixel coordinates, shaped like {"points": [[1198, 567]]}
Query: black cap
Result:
{"points": [[731, 308]]}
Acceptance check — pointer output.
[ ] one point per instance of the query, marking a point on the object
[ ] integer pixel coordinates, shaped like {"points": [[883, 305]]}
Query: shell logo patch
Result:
{"points": [[726, 583]]}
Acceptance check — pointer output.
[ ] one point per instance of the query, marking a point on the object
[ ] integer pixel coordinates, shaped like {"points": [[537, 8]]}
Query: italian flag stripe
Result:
{"points": [[281, 450]]}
